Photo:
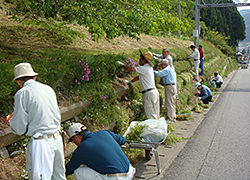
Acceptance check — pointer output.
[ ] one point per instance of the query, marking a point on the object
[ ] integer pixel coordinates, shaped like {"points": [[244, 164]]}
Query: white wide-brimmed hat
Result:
{"points": [[164, 61], [23, 70]]}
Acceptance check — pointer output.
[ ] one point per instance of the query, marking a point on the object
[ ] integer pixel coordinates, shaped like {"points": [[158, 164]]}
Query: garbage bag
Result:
{"points": [[155, 130]]}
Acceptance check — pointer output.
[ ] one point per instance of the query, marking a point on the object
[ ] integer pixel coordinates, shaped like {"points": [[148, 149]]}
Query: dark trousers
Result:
{"points": [[207, 100], [201, 65], [218, 84]]}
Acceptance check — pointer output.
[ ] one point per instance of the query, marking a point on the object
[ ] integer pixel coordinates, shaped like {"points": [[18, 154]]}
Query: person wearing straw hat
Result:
{"points": [[205, 94], [169, 81], [101, 154], [150, 98], [36, 114]]}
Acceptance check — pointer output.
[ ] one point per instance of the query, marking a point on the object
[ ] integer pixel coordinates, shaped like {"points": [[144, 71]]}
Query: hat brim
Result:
{"points": [[25, 75], [197, 86], [146, 59], [70, 140]]}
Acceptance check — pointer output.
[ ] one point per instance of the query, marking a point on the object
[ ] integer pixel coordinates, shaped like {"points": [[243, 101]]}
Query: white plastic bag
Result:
{"points": [[155, 130]]}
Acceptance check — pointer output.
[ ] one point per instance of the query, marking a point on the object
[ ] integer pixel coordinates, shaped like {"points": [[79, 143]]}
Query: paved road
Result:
{"points": [[220, 148]]}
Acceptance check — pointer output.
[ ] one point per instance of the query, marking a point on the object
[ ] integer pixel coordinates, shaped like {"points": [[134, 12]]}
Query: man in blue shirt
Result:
{"points": [[169, 81], [100, 152], [205, 95]]}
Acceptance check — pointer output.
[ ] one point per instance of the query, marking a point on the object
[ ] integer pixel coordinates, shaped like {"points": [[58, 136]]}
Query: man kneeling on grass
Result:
{"points": [[100, 152], [205, 95]]}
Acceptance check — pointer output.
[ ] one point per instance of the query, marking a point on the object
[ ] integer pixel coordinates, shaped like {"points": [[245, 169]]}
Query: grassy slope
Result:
{"points": [[22, 43]]}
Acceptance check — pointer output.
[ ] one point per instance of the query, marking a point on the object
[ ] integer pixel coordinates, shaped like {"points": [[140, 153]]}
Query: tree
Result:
{"points": [[110, 18], [226, 20]]}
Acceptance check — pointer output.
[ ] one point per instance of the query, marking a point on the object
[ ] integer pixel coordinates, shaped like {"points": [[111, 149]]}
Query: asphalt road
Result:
{"points": [[220, 148]]}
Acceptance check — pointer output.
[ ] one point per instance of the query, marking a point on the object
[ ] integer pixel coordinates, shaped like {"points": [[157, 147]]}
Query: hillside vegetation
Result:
{"points": [[62, 63]]}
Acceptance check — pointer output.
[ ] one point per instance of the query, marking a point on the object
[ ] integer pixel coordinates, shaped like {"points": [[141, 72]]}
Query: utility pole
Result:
{"points": [[179, 16], [196, 31]]}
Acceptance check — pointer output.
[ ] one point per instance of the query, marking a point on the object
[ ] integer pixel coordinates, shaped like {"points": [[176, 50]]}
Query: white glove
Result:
{"points": [[199, 98], [119, 62], [127, 82]]}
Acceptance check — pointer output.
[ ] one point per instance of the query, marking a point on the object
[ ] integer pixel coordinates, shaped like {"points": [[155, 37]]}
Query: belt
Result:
{"points": [[196, 59], [147, 90], [119, 174], [49, 135], [169, 84]]}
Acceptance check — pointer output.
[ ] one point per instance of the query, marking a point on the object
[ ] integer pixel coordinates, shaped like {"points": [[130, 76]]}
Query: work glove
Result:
{"points": [[127, 82], [8, 117], [119, 62], [199, 98]]}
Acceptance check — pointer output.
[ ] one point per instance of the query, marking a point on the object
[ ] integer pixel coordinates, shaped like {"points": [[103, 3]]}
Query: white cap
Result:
{"points": [[23, 70], [75, 129]]}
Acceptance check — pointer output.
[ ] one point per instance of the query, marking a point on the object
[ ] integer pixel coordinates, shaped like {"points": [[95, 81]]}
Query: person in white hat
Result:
{"points": [[101, 154], [37, 115], [166, 55], [169, 81], [146, 78]]}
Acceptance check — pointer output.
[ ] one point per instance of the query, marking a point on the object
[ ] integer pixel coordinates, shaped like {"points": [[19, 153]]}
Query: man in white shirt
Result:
{"points": [[218, 79], [196, 56], [165, 55], [37, 115], [146, 78]]}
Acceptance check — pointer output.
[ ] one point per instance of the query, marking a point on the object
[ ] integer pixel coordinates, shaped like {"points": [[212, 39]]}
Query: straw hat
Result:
{"points": [[23, 70], [148, 56], [164, 61]]}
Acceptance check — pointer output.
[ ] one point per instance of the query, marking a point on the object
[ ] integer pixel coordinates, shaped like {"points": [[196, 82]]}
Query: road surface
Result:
{"points": [[220, 148]]}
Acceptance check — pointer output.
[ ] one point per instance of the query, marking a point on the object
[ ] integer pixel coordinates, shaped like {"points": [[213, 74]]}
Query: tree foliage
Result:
{"points": [[227, 21], [110, 18]]}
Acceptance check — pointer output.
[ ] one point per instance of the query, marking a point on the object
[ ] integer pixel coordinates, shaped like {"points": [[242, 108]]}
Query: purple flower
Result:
{"points": [[87, 80], [79, 83], [104, 97], [76, 81], [97, 69]]}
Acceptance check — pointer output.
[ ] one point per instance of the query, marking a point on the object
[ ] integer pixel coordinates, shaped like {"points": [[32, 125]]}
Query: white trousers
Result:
{"points": [[85, 173], [56, 147], [170, 98], [196, 69], [151, 104]]}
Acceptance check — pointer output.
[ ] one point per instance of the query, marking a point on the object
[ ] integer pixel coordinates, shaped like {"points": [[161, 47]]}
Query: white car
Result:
{"points": [[244, 65]]}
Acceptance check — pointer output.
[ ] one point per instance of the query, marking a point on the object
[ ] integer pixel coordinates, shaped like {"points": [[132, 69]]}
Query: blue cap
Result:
{"points": [[197, 85]]}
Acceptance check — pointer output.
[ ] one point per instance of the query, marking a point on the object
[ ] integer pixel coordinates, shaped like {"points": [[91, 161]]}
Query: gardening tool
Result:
{"points": [[119, 62], [8, 117]]}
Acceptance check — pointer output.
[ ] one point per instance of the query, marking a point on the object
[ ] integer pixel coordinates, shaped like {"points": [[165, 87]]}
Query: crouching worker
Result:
{"points": [[100, 152], [205, 94]]}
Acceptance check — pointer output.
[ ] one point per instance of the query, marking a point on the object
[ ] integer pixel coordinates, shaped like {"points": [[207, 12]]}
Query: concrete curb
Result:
{"points": [[148, 169]]}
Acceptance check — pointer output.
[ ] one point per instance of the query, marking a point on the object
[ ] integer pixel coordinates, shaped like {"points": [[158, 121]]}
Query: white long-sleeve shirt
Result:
{"points": [[195, 55], [159, 57], [35, 110], [218, 78]]}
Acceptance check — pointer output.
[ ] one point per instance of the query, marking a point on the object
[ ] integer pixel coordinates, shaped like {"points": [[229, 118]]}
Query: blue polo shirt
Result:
{"points": [[205, 92], [100, 151]]}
